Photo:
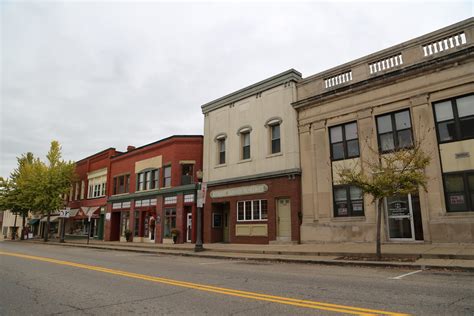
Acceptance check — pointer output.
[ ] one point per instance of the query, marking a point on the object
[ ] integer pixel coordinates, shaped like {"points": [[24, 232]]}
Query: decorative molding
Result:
{"points": [[273, 121], [238, 191], [244, 129]]}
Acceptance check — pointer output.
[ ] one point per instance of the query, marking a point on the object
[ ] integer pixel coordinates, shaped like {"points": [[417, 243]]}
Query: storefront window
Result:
{"points": [[170, 221], [125, 222], [136, 223]]}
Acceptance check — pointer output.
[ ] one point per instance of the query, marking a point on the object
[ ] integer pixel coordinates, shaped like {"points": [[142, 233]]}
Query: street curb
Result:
{"points": [[290, 253], [242, 256]]}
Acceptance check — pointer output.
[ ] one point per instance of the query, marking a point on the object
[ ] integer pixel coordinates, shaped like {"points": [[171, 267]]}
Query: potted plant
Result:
{"points": [[175, 234], [128, 235]]}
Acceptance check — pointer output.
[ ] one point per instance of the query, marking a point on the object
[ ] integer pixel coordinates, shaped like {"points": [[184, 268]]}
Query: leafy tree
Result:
{"points": [[399, 172], [13, 197], [37, 185], [50, 182]]}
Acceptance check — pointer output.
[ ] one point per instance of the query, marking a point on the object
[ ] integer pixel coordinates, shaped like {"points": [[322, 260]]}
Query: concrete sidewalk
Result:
{"points": [[413, 255]]}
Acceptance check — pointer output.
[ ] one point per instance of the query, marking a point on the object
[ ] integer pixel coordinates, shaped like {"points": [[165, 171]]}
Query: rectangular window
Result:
{"points": [[275, 135], [167, 176], [121, 184], [216, 220], [125, 222], [348, 201], [147, 180], [255, 210], [344, 141], [221, 147], [96, 187], [170, 221], [459, 191], [83, 189], [186, 174], [245, 145], [455, 119], [394, 131], [136, 223]]}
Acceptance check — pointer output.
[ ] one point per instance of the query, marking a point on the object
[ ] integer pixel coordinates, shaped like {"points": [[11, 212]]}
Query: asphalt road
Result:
{"points": [[39, 279]]}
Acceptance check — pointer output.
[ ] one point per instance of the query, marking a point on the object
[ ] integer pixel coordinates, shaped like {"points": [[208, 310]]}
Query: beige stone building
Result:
{"points": [[422, 89]]}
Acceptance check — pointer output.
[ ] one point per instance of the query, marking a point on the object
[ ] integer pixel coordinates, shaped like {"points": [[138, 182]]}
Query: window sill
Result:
{"points": [[349, 219], [252, 221], [220, 166], [275, 155], [245, 160], [120, 194], [97, 197]]}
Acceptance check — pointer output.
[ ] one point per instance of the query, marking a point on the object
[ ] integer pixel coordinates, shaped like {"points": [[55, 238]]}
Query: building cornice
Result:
{"points": [[260, 176], [153, 193], [269, 83]]}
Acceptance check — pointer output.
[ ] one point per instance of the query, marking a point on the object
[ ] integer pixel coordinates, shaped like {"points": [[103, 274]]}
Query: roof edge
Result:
{"points": [[271, 82]]}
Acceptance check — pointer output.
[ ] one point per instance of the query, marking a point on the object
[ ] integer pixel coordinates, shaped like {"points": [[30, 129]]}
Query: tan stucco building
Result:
{"points": [[251, 164], [421, 89]]}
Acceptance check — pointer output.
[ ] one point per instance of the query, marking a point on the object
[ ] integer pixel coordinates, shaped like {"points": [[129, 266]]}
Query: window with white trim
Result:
{"points": [[96, 187], [254, 210], [245, 138]]}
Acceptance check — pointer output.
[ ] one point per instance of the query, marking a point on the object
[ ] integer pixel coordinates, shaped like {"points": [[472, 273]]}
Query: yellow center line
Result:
{"points": [[214, 289]]}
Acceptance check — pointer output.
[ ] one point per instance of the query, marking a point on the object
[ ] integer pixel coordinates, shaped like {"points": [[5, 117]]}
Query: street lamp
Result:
{"points": [[200, 203]]}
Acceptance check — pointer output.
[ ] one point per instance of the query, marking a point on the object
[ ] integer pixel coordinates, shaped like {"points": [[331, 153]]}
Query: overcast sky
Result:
{"points": [[101, 74]]}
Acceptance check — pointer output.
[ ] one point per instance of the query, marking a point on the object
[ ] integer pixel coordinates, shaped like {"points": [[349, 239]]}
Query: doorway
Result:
{"points": [[404, 218], [189, 226], [283, 219], [226, 226]]}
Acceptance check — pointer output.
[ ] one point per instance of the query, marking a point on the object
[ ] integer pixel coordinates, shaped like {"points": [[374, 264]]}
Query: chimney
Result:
{"points": [[130, 148]]}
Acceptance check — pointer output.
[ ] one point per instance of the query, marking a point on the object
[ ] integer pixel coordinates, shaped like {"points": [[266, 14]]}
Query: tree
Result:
{"points": [[13, 197], [49, 182], [38, 186], [398, 172]]}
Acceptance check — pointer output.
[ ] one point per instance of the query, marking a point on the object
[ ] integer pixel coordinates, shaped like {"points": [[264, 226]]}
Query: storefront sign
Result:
{"points": [[247, 190], [64, 213]]}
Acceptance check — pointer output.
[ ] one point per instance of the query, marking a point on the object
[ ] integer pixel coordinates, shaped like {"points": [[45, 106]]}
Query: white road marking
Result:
{"points": [[404, 275]]}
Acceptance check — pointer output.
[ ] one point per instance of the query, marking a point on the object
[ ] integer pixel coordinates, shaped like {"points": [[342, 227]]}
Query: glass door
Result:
{"points": [[400, 217]]}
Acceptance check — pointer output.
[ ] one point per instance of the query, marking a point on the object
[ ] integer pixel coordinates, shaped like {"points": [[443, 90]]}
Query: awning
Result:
{"points": [[73, 212], [33, 221], [89, 211], [51, 219]]}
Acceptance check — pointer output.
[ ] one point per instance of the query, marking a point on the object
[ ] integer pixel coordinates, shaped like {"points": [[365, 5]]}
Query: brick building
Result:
{"points": [[421, 89], [251, 164], [152, 190], [88, 195]]}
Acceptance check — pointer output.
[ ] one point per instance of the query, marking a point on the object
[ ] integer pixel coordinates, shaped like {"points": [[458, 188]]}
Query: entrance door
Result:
{"points": [[404, 218], [283, 219], [189, 225], [225, 213]]}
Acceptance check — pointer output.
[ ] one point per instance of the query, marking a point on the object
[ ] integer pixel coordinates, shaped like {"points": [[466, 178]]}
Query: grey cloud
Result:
{"points": [[95, 75]]}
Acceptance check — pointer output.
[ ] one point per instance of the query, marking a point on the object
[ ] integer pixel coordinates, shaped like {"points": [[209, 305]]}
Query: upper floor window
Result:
{"points": [[96, 187], [187, 174], [121, 184], [455, 119], [348, 201], [245, 145], [344, 141], [148, 180], [221, 150], [167, 176], [459, 191], [275, 138], [394, 131]]}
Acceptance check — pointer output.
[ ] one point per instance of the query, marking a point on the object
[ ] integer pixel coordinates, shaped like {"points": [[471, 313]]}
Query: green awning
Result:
{"points": [[33, 221]]}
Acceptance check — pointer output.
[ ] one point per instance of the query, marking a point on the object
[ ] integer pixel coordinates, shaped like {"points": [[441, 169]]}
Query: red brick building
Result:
{"points": [[88, 196], [152, 191]]}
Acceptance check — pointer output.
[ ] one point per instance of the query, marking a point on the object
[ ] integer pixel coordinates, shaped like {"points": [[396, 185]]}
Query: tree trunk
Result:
{"points": [[46, 235], [23, 227], [378, 250], [14, 228]]}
